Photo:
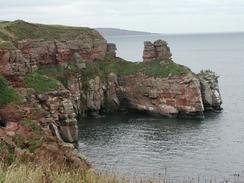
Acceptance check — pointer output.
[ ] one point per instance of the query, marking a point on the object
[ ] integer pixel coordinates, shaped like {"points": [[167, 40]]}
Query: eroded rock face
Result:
{"points": [[52, 109], [38, 52], [95, 96], [112, 99], [32, 53], [74, 86], [60, 107], [158, 50], [172, 96], [87, 48], [12, 63], [210, 91]]}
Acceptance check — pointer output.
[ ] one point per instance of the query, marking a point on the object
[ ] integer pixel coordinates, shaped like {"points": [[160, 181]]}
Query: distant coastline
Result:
{"points": [[116, 32], [122, 32]]}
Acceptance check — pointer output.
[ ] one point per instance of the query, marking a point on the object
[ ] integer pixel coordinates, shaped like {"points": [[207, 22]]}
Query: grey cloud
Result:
{"points": [[153, 15], [30, 3]]}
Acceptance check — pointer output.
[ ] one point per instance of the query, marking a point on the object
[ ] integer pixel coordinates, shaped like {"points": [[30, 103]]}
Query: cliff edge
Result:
{"points": [[51, 75]]}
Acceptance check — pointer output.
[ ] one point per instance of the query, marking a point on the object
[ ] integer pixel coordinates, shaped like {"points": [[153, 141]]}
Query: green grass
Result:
{"points": [[29, 173], [118, 66], [7, 93], [7, 45], [58, 72], [19, 30], [48, 77], [154, 68], [63, 72], [40, 83]]}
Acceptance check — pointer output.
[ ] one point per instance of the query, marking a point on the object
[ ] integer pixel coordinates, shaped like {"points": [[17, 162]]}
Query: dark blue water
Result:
{"points": [[145, 146]]}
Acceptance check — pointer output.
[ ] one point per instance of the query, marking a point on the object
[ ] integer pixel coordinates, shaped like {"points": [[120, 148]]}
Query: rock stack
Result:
{"points": [[158, 50], [111, 49]]}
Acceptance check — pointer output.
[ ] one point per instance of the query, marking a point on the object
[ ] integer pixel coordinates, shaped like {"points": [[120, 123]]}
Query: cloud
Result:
{"points": [[9, 4], [155, 15]]}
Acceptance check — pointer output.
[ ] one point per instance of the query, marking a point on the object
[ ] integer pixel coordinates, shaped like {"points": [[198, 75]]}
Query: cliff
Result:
{"points": [[57, 74], [25, 47]]}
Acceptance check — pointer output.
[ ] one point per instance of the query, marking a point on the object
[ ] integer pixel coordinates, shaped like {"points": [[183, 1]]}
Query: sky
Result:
{"points": [[159, 16]]}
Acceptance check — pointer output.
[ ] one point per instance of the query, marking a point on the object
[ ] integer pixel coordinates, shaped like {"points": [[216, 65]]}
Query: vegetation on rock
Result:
{"points": [[154, 68], [7, 45], [7, 154], [7, 93], [41, 83], [116, 65]]}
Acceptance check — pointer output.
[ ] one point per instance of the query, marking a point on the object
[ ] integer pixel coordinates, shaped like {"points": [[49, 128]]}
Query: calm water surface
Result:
{"points": [[135, 145]]}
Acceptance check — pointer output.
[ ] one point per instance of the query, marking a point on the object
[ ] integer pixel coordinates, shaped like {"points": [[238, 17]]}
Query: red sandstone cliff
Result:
{"points": [[100, 82]]}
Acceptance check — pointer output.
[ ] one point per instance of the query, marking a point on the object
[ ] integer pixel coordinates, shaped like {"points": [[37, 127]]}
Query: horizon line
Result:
{"points": [[142, 31], [174, 33]]}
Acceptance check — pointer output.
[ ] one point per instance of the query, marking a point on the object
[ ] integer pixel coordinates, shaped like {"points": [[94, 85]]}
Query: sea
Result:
{"points": [[139, 146]]}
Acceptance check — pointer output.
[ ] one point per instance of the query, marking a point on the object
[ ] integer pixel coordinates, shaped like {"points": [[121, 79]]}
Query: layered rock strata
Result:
{"points": [[158, 50], [171, 96], [28, 126], [94, 89], [31, 54]]}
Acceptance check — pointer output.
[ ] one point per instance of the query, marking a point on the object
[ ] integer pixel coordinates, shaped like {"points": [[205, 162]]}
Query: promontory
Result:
{"points": [[51, 75]]}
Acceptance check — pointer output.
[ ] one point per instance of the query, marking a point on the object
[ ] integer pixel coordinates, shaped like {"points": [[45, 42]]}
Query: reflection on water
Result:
{"points": [[139, 145]]}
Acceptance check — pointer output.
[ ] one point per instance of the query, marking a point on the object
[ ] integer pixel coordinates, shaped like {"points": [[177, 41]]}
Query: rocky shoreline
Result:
{"points": [[64, 73]]}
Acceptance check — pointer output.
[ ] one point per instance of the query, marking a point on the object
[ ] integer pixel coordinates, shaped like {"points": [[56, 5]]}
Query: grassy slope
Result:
{"points": [[29, 173], [41, 83], [154, 68], [7, 45], [19, 30]]}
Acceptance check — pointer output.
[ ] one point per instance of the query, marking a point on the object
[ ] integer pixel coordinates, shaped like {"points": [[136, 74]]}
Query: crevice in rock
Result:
{"points": [[2, 123], [55, 54]]}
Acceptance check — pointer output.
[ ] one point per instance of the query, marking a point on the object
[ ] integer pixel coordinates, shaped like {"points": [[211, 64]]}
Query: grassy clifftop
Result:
{"points": [[19, 30], [101, 68], [154, 68]]}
